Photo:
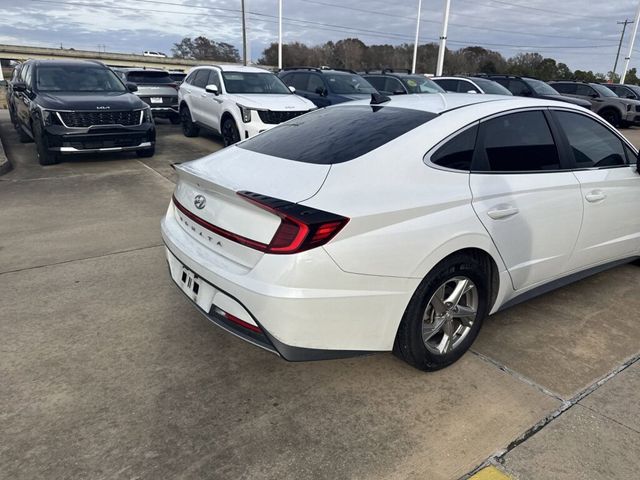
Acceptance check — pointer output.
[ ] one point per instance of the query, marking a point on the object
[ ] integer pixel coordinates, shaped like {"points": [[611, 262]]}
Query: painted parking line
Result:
{"points": [[490, 473]]}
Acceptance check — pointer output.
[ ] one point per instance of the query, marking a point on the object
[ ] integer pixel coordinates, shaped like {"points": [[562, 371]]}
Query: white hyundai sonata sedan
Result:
{"points": [[400, 225]]}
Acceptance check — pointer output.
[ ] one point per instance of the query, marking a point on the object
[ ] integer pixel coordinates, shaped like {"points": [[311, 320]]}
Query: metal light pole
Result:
{"points": [[244, 35], [633, 39], [624, 27], [415, 45], [279, 34], [443, 38]]}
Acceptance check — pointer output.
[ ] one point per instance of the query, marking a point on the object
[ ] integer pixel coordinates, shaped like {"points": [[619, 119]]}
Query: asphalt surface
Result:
{"points": [[108, 371]]}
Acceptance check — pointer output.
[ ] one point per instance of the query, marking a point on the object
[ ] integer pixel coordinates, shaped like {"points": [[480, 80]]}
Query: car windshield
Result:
{"points": [[540, 87], [348, 83], [491, 87], [602, 90], [149, 77], [71, 78], [251, 82], [420, 84]]}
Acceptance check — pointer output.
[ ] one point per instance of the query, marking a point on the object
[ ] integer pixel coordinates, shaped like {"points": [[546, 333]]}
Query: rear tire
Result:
{"points": [[45, 156], [436, 329], [612, 116], [146, 153], [189, 128], [230, 133]]}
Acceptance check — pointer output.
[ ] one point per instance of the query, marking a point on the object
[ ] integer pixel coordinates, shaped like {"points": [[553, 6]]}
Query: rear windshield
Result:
{"points": [[149, 77], [336, 134]]}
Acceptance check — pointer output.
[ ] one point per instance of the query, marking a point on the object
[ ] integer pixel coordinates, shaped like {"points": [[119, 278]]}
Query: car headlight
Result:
{"points": [[629, 108], [245, 113], [146, 115], [48, 117]]}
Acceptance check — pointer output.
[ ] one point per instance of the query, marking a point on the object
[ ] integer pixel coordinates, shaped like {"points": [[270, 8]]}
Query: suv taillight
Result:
{"points": [[301, 228]]}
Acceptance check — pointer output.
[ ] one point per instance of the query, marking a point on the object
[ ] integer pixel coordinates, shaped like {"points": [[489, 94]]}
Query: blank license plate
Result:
{"points": [[156, 99]]}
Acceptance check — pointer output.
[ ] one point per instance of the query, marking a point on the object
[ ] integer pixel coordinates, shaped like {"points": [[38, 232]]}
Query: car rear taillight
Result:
{"points": [[175, 85], [301, 228]]}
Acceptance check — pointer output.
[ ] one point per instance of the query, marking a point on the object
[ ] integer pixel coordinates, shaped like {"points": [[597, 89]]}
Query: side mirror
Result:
{"points": [[19, 87], [132, 87], [471, 91], [630, 96], [292, 88], [212, 89], [594, 95], [399, 92], [321, 91], [527, 93]]}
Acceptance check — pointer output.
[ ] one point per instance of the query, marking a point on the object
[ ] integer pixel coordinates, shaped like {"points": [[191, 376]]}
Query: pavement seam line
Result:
{"points": [[600, 414], [155, 171], [517, 375], [498, 457], [81, 259]]}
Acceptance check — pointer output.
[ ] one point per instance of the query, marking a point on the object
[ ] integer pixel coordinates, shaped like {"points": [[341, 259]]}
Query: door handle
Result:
{"points": [[503, 212], [595, 196]]}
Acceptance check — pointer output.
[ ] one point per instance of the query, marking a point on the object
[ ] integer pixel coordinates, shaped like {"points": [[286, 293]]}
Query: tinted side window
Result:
{"points": [[593, 145], [457, 153], [201, 77], [448, 85], [393, 85], [518, 87], [377, 82], [190, 77], [518, 142], [214, 79], [315, 83], [464, 87], [567, 88], [26, 75], [298, 81], [584, 90]]}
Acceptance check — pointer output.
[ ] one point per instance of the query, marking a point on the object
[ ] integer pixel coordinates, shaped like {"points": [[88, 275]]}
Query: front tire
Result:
{"points": [[612, 116], [444, 315], [45, 156], [230, 133], [189, 128]]}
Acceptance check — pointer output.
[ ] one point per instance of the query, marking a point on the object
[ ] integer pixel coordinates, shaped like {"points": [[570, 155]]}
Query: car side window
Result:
{"points": [[566, 88], [201, 77], [377, 82], [465, 87], [299, 81], [214, 79], [449, 85], [518, 87], [518, 142], [26, 75], [189, 78], [585, 90], [393, 85], [315, 84], [593, 145], [457, 153]]}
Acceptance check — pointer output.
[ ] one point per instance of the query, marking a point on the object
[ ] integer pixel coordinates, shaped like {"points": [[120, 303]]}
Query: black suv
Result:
{"points": [[326, 86], [76, 107], [390, 82], [532, 87]]}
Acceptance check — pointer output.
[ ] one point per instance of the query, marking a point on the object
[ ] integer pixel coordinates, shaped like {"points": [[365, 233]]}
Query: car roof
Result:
{"points": [[234, 68], [439, 103], [68, 63]]}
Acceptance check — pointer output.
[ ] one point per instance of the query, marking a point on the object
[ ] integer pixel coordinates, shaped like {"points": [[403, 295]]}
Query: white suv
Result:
{"points": [[237, 102]]}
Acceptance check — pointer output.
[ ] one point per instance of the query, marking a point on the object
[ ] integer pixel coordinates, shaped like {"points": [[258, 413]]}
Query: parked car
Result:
{"points": [[236, 102], [177, 76], [327, 86], [156, 88], [532, 87], [619, 112], [10, 97], [148, 53], [487, 202], [624, 91], [70, 107], [390, 82], [462, 84]]}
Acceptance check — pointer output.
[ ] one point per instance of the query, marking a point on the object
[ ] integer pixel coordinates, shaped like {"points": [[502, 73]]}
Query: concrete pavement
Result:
{"points": [[109, 372]]}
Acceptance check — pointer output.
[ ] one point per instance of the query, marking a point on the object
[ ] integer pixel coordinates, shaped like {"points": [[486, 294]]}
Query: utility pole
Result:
{"points": [[633, 39], [443, 38], [244, 35], [415, 45], [624, 27], [279, 34]]}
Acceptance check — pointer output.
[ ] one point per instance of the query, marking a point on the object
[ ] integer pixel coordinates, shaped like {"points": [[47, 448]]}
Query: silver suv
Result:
{"points": [[619, 112]]}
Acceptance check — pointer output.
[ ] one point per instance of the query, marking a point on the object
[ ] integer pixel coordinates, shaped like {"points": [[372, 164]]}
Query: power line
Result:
{"points": [[535, 9]]}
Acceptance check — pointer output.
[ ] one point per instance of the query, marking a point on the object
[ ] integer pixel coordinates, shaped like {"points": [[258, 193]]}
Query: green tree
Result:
{"points": [[202, 48]]}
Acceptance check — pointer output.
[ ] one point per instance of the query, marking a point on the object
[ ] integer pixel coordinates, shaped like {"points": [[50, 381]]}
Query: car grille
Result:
{"points": [[271, 117], [89, 119]]}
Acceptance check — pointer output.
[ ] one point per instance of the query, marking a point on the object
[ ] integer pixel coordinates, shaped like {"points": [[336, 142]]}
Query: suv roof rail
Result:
{"points": [[399, 70], [314, 69], [348, 70]]}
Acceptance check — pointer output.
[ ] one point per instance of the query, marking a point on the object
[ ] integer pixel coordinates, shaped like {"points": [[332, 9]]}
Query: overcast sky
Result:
{"points": [[582, 33]]}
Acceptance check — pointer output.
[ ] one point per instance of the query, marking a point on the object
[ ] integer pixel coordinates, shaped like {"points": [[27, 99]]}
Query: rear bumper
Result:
{"points": [[305, 306]]}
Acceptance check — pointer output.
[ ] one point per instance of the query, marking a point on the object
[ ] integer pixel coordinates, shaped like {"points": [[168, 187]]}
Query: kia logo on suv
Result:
{"points": [[103, 107]]}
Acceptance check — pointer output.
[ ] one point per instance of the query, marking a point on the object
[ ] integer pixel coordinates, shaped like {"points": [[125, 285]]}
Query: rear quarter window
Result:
{"points": [[337, 134]]}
